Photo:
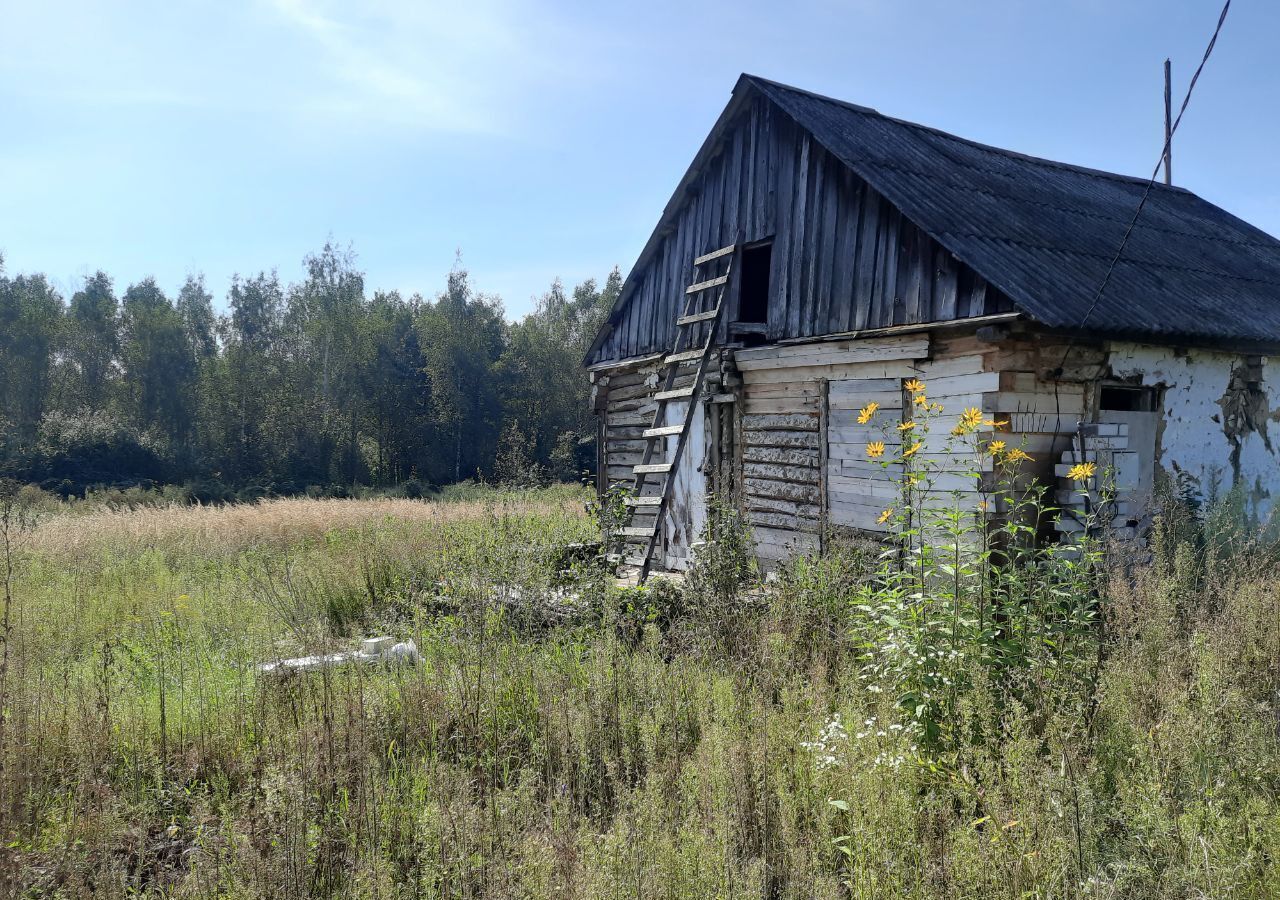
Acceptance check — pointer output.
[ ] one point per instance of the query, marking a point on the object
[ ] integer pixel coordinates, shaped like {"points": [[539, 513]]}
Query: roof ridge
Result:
{"points": [[990, 148]]}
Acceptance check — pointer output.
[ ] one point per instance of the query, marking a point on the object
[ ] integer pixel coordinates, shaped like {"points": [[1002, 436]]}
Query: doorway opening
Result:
{"points": [[753, 286]]}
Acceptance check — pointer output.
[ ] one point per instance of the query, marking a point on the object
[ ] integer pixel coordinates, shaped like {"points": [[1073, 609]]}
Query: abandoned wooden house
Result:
{"points": [[817, 255]]}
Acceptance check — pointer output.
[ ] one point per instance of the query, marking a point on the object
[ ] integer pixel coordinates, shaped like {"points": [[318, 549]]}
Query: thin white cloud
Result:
{"points": [[449, 67]]}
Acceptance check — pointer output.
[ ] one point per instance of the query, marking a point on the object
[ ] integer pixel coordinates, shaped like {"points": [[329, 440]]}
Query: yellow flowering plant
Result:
{"points": [[965, 559]]}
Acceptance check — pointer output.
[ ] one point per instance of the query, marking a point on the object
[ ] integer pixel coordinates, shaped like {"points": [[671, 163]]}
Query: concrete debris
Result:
{"points": [[372, 650]]}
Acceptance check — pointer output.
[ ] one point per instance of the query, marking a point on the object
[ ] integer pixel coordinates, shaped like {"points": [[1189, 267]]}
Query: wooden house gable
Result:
{"points": [[842, 258]]}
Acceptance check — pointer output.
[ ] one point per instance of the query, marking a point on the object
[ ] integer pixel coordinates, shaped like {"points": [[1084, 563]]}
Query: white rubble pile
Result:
{"points": [[372, 650]]}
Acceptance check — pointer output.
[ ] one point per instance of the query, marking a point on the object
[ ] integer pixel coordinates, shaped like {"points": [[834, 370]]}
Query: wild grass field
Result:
{"points": [[1080, 732]]}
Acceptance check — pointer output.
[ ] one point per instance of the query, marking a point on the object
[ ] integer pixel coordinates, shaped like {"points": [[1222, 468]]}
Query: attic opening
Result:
{"points": [[753, 286]]}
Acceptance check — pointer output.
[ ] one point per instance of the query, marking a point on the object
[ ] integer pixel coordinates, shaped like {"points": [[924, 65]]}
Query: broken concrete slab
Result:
{"points": [[372, 650]]}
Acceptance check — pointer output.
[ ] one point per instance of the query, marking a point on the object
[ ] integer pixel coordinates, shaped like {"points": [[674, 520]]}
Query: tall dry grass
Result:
{"points": [[274, 524], [663, 743]]}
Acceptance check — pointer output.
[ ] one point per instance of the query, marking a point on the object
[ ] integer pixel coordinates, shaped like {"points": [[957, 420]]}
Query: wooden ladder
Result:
{"points": [[696, 316]]}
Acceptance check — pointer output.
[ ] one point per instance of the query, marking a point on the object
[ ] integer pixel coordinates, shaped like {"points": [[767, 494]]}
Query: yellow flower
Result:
{"points": [[884, 516], [1017, 454], [960, 430], [935, 407], [865, 414], [972, 417], [915, 386], [984, 505], [906, 426], [911, 451], [995, 447], [875, 449], [1082, 471], [920, 400]]}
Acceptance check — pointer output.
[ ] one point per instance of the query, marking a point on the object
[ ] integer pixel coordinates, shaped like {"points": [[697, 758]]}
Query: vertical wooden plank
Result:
{"points": [[645, 323], [780, 261], [733, 184], [748, 174], [978, 304], [946, 299], [865, 267], [739, 495], [847, 251], [770, 189], [799, 234], [713, 210], [924, 254], [824, 451], [680, 269], [910, 253], [902, 273], [629, 330], [602, 450], [890, 264], [827, 261], [964, 291], [875, 314], [808, 320]]}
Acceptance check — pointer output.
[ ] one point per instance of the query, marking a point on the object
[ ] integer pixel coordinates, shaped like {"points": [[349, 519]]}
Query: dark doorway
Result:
{"points": [[753, 291]]}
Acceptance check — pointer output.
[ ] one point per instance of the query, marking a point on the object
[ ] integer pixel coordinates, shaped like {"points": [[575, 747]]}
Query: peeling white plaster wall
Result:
{"points": [[1193, 438]]}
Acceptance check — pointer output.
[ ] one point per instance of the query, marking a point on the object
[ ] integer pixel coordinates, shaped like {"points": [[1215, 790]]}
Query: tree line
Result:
{"points": [[317, 385]]}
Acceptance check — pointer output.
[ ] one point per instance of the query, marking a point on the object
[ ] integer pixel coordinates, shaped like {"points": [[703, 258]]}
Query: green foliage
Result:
{"points": [[966, 599], [313, 385], [623, 746]]}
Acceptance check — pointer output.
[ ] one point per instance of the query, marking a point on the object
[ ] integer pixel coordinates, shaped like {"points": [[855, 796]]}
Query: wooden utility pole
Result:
{"points": [[1168, 123]]}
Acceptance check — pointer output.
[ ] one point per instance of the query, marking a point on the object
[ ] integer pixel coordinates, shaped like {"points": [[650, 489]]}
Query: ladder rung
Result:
{"points": [[706, 285], [653, 468], [626, 560], [662, 431], [643, 501], [637, 531], [698, 317], [684, 356], [714, 254], [674, 394]]}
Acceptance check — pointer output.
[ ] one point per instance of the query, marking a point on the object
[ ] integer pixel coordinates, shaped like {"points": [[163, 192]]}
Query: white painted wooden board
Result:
{"points": [[954, 385], [687, 512], [863, 516], [880, 371], [955, 365], [834, 352]]}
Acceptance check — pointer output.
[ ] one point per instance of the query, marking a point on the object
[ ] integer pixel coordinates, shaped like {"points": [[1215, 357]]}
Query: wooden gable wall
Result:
{"points": [[843, 258]]}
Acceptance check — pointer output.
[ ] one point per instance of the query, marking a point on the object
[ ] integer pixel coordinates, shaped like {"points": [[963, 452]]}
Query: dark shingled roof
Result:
{"points": [[1044, 232]]}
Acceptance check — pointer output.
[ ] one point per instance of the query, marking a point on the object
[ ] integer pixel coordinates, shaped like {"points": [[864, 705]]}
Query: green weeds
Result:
{"points": [[1080, 736]]}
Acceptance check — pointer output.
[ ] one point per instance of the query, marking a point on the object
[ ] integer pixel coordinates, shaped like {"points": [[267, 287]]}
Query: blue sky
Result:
{"points": [[543, 139]]}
